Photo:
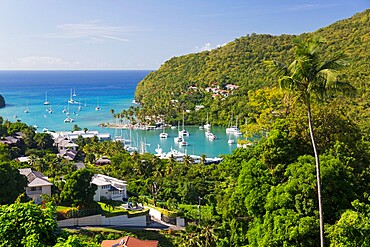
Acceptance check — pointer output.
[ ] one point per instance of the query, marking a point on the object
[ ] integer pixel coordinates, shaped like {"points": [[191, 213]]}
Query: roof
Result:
{"points": [[66, 143], [102, 161], [23, 159], [101, 180], [68, 154], [34, 178], [129, 241]]}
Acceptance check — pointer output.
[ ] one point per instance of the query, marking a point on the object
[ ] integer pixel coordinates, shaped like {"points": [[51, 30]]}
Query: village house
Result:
{"points": [[129, 241], [102, 161], [37, 184], [13, 140], [109, 188], [231, 87]]}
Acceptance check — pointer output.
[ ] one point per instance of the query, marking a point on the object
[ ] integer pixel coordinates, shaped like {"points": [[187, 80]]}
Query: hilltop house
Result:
{"points": [[109, 188], [37, 184]]}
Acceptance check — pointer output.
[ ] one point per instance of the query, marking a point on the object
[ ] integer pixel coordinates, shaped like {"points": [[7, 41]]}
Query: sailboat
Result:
{"points": [[230, 140], [207, 125], [210, 135], [233, 129], [26, 111], [163, 134], [183, 132], [79, 105], [46, 102], [71, 100], [97, 108], [49, 110], [68, 119], [179, 138], [74, 92]]}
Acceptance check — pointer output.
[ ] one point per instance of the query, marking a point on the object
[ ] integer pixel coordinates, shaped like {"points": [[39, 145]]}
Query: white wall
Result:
{"points": [[99, 220]]}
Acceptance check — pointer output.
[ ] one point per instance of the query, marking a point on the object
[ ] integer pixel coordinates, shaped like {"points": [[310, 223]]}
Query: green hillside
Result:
{"points": [[166, 91]]}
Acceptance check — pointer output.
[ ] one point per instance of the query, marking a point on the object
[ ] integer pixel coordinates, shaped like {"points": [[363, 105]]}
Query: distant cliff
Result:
{"points": [[2, 101]]}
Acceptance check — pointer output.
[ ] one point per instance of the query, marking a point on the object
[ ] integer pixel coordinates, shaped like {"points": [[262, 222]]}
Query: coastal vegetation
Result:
{"points": [[180, 83], [2, 101]]}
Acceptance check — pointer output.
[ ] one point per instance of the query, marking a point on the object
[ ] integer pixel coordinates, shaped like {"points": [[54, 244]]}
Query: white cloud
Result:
{"points": [[46, 61], [92, 32], [306, 7], [205, 47]]}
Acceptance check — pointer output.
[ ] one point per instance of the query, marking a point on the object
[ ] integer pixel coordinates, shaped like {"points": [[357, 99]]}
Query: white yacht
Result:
{"points": [[183, 132], [163, 135], [178, 139], [46, 102], [231, 141], [207, 125], [71, 100], [210, 136], [97, 108], [68, 120]]}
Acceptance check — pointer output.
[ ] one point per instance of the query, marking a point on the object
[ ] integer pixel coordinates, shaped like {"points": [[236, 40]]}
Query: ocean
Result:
{"points": [[28, 90]]}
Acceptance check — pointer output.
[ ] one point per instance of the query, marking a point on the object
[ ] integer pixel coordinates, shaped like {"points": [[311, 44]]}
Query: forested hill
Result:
{"points": [[2, 101], [167, 91]]}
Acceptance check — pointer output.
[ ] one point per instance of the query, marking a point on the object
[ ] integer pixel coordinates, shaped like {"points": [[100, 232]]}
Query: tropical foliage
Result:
{"points": [[166, 92]]}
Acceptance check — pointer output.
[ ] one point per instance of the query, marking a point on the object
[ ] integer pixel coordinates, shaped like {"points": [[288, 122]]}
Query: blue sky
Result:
{"points": [[138, 34]]}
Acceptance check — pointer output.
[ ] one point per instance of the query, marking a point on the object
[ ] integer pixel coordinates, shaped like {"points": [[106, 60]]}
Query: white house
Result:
{"points": [[63, 143], [109, 188], [37, 185]]}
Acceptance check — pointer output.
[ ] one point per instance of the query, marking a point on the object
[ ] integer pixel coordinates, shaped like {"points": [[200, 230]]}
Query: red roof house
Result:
{"points": [[129, 241]]}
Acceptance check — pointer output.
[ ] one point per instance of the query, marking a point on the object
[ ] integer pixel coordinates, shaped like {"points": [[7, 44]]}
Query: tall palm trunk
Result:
{"points": [[318, 177]]}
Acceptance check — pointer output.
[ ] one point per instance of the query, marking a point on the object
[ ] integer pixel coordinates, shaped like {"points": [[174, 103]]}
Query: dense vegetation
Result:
{"points": [[265, 195], [241, 63], [2, 101]]}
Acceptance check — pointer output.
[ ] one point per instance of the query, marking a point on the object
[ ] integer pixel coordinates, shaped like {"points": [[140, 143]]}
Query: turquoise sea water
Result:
{"points": [[107, 89]]}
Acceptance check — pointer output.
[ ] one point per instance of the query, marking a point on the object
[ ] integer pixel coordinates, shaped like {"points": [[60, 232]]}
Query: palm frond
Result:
{"points": [[279, 69], [337, 62]]}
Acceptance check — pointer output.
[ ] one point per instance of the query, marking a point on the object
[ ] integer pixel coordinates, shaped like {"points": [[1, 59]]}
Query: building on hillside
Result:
{"points": [[23, 159], [63, 143], [88, 134], [37, 185], [102, 161], [14, 140], [109, 188], [129, 241], [68, 154], [231, 87], [66, 148]]}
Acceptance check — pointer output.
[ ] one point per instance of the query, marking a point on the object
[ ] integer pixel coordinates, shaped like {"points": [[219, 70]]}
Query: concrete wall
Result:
{"points": [[46, 190], [155, 214], [99, 220]]}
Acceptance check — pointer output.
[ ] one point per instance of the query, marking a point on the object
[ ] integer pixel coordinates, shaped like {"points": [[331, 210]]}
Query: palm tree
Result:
{"points": [[308, 76]]}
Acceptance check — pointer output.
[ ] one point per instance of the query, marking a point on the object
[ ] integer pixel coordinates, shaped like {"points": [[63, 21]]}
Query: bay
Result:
{"points": [[107, 89]]}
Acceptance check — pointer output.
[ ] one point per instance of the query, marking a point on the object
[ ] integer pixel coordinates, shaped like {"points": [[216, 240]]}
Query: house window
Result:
{"points": [[105, 187], [36, 188]]}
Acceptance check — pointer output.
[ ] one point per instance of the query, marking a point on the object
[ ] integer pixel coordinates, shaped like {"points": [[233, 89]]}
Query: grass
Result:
{"points": [[109, 211], [65, 208]]}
